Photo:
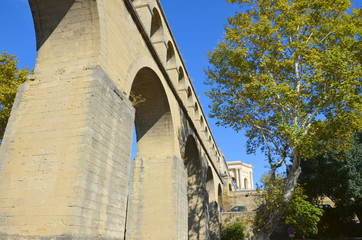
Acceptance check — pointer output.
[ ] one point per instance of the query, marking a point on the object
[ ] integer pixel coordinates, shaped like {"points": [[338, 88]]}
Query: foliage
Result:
{"points": [[233, 231], [10, 79], [270, 198], [337, 223], [338, 176], [288, 73], [300, 213]]}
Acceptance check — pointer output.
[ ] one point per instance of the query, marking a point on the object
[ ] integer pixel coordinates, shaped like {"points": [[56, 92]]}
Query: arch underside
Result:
{"points": [[214, 229], [158, 178], [67, 34], [153, 120]]}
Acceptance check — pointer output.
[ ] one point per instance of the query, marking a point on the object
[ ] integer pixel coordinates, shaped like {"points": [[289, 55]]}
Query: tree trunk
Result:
{"points": [[274, 220]]}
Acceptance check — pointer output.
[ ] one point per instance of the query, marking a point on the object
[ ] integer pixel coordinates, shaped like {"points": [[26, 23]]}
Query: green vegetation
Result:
{"points": [[233, 231], [288, 73], [10, 79], [300, 214], [338, 176]]}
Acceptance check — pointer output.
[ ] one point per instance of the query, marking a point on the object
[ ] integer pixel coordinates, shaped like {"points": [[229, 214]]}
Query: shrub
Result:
{"points": [[233, 231]]}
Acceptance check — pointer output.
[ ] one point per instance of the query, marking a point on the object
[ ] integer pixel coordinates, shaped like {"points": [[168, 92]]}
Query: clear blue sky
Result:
{"points": [[197, 26]]}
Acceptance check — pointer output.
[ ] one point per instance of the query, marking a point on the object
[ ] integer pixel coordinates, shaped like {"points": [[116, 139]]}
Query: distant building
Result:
{"points": [[241, 174]]}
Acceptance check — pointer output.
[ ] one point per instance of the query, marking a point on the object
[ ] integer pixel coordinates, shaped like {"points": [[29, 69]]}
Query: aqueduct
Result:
{"points": [[104, 68]]}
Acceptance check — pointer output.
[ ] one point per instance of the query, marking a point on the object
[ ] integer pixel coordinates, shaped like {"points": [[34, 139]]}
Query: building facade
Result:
{"points": [[241, 174]]}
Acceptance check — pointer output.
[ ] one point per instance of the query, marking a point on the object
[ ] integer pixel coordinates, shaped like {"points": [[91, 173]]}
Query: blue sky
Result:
{"points": [[197, 27]]}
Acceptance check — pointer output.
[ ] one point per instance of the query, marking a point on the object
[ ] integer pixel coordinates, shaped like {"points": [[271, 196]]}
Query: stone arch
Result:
{"points": [[170, 56], [181, 76], [189, 92], [43, 29], [156, 26], [196, 107], [55, 22], [230, 187], [206, 133], [210, 187], [195, 193], [155, 151], [181, 82], [219, 195], [107, 87], [153, 114], [213, 206]]}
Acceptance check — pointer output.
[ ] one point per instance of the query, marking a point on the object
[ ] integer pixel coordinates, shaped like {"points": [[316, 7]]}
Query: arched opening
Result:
{"points": [[152, 167], [181, 76], [181, 81], [210, 185], [213, 206], [194, 190], [230, 188], [219, 196], [152, 115], [170, 59], [189, 92], [245, 183], [156, 27], [196, 108]]}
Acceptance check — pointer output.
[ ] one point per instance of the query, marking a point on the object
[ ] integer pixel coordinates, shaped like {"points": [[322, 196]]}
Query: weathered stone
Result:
{"points": [[103, 69]]}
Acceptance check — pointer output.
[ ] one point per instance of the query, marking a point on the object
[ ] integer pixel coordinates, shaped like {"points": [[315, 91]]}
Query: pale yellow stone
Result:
{"points": [[66, 154]]}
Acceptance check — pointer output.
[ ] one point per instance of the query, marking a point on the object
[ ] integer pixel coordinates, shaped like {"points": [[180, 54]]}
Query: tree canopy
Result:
{"points": [[288, 73], [10, 79]]}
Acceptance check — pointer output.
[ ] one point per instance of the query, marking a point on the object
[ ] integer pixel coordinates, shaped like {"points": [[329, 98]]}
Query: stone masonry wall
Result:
{"points": [[60, 175], [240, 198]]}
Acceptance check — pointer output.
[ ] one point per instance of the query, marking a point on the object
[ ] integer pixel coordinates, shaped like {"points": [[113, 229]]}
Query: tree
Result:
{"points": [[300, 214], [288, 73], [10, 79], [338, 176]]}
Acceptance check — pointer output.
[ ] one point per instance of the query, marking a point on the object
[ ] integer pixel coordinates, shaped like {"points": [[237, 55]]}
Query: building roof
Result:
{"points": [[233, 164]]}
